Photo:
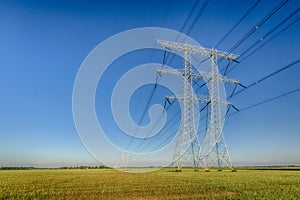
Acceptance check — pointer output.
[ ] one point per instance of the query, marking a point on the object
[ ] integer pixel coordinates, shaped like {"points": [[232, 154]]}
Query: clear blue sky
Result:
{"points": [[43, 44]]}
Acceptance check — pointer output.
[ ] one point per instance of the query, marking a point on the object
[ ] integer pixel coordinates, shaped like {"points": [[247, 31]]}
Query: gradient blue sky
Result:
{"points": [[43, 44]]}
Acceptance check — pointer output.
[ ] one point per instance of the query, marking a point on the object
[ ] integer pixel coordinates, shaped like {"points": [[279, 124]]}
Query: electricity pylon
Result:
{"points": [[188, 146], [213, 150], [124, 160]]}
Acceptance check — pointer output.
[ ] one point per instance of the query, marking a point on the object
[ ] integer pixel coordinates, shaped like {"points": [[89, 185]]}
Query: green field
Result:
{"points": [[162, 184]]}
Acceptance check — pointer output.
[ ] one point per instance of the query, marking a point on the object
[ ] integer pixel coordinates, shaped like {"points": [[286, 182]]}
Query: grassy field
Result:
{"points": [[162, 184]]}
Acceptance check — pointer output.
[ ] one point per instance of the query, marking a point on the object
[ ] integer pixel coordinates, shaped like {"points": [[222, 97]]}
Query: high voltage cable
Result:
{"points": [[266, 101], [258, 25], [147, 135], [243, 17], [153, 90], [200, 11], [258, 48], [174, 116], [151, 142], [262, 38], [167, 13], [269, 76], [171, 135], [238, 22], [165, 109], [197, 17], [143, 115], [163, 22], [202, 8], [189, 15], [245, 108], [186, 20], [271, 31], [171, 103]]}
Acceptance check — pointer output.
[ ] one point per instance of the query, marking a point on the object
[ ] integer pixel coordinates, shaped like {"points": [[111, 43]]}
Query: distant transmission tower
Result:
{"points": [[124, 160], [213, 151]]}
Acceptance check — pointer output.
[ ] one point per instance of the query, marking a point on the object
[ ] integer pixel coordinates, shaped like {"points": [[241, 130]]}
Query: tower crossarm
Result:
{"points": [[199, 75], [224, 102], [202, 75], [201, 99], [170, 72], [207, 75], [194, 49], [229, 80]]}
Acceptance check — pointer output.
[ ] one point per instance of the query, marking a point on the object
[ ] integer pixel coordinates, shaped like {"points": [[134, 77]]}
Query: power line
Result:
{"points": [[189, 15], [238, 22], [185, 22], [268, 76], [153, 90], [266, 101], [200, 11], [244, 16], [258, 25], [166, 125], [166, 139], [167, 13], [271, 31], [147, 135], [143, 114], [176, 114], [172, 135], [258, 48], [163, 22]]}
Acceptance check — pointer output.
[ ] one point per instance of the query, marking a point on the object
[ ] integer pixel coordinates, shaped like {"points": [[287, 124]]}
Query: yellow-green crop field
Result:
{"points": [[162, 184]]}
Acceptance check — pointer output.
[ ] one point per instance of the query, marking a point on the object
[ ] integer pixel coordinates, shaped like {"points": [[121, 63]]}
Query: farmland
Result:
{"points": [[162, 184]]}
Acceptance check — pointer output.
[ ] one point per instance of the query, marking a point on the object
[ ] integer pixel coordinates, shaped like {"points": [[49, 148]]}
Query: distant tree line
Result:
{"points": [[74, 167], [16, 168], [86, 167]]}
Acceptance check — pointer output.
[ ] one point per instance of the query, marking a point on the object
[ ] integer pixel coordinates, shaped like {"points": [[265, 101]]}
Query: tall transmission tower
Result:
{"points": [[124, 160], [213, 151]]}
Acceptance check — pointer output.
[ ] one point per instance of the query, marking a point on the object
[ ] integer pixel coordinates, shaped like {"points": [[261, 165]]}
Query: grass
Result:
{"points": [[162, 184]]}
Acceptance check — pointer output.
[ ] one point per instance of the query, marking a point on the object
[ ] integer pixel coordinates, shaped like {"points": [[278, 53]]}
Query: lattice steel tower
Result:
{"points": [[213, 151]]}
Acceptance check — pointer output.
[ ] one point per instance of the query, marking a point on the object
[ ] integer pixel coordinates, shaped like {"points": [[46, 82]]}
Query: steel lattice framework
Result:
{"points": [[213, 151]]}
